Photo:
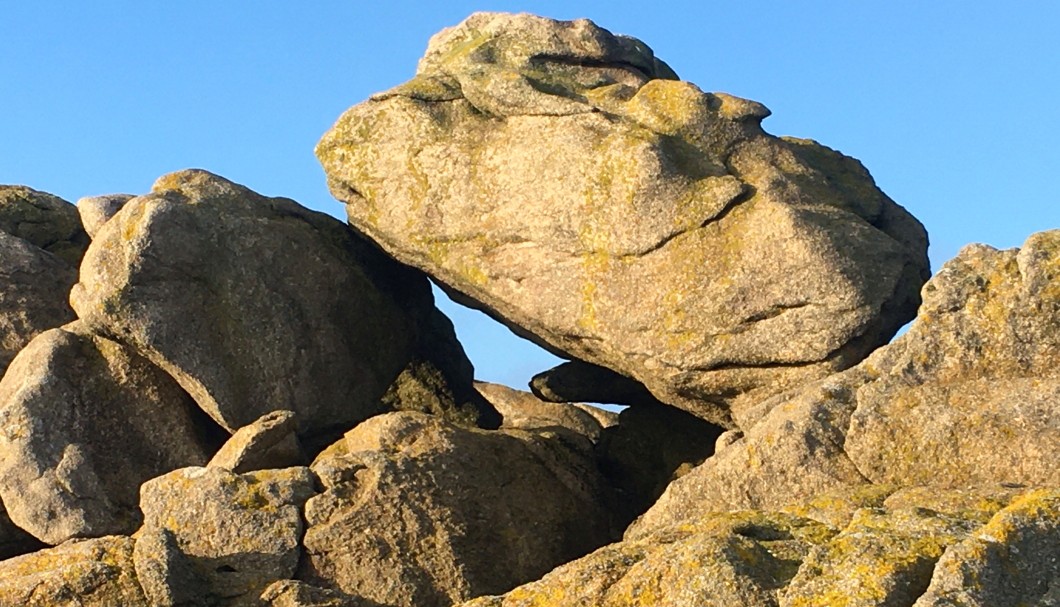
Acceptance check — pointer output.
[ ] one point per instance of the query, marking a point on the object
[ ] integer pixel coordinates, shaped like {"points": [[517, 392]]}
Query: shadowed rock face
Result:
{"points": [[255, 304], [574, 381], [561, 179], [34, 289], [440, 379], [43, 220]]}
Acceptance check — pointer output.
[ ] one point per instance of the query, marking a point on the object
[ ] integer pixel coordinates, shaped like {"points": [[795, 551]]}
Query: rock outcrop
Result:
{"points": [[771, 261], [253, 304], [43, 220], [421, 513], [968, 396], [874, 557], [726, 284], [84, 421], [292, 593]]}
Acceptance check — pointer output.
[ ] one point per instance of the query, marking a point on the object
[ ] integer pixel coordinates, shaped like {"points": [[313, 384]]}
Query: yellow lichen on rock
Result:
{"points": [[87, 573]]}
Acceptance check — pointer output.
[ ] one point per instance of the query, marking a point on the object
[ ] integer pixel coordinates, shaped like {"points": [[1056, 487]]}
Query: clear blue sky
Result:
{"points": [[953, 106]]}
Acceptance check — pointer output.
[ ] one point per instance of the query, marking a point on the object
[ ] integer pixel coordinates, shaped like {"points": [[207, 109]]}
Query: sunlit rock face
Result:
{"points": [[727, 285], [255, 304], [917, 546], [83, 422], [563, 180], [968, 396]]}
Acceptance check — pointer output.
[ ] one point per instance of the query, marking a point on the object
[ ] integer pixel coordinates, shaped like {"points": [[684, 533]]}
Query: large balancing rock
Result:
{"points": [[561, 179], [83, 422], [253, 304]]}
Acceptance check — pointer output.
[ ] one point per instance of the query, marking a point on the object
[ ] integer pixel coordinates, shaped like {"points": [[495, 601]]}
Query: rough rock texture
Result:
{"points": [[84, 421], [880, 558], [212, 535], [524, 411], [96, 210], [34, 289], [1012, 560], [44, 220], [439, 379], [771, 261], [740, 558], [875, 556], [292, 593], [968, 396], [649, 448], [87, 573], [270, 442], [418, 512], [253, 304]]}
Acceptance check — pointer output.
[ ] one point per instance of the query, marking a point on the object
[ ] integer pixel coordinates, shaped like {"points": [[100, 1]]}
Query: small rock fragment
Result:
{"points": [[96, 210], [575, 381], [270, 442], [524, 411], [292, 593]]}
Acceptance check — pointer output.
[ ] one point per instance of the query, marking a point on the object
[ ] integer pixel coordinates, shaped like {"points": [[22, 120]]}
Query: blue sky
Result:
{"points": [[953, 106]]}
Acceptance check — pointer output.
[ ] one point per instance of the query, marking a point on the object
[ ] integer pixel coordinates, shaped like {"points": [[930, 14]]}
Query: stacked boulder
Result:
{"points": [[239, 401], [562, 179]]}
